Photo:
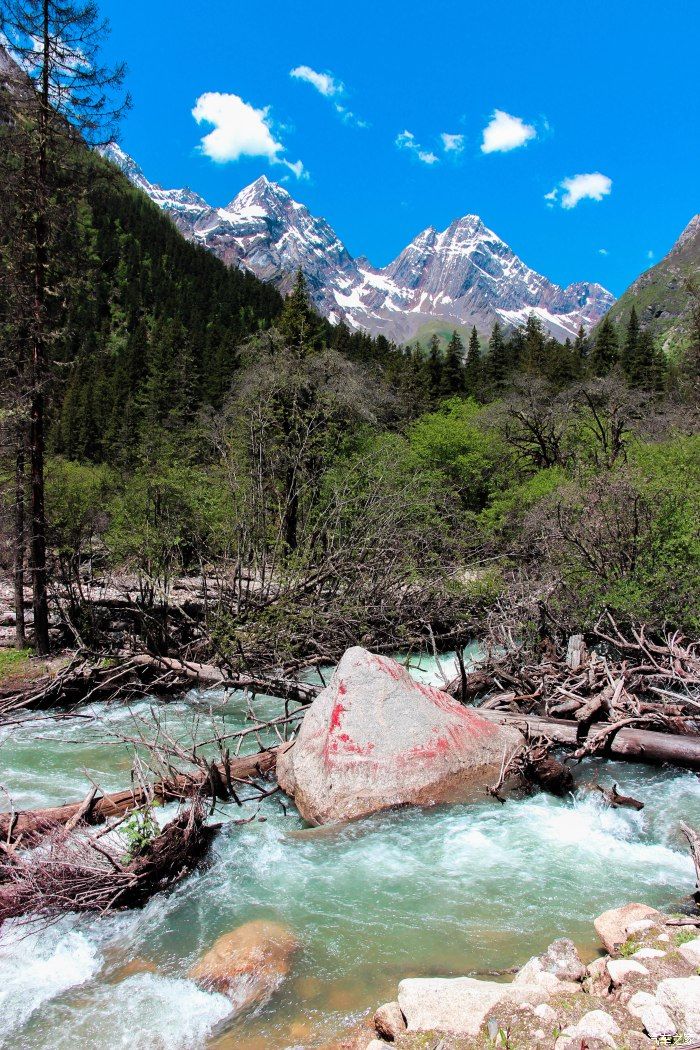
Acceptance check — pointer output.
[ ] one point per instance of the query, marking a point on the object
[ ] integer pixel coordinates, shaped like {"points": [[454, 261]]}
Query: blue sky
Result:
{"points": [[606, 89]]}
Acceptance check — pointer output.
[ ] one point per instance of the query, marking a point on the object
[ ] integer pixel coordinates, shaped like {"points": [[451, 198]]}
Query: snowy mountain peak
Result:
{"points": [[462, 276]]}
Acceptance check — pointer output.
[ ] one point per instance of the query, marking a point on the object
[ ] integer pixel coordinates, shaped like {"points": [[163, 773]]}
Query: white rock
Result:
{"points": [[649, 953], [640, 926], [663, 937], [374, 738], [459, 1005], [691, 951], [545, 1013], [621, 970], [681, 997], [639, 1001], [539, 1034], [594, 1025], [657, 1023], [534, 973]]}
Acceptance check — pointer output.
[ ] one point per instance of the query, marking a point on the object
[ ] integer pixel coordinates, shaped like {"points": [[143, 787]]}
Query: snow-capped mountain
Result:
{"points": [[465, 275]]}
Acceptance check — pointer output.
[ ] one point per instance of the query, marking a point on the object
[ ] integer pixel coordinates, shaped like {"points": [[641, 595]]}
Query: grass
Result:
{"points": [[683, 936], [13, 662]]}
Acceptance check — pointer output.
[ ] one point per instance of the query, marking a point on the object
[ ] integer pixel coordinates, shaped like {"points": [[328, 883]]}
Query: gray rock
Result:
{"points": [[595, 1026], [563, 960], [681, 997], [621, 970], [459, 1005], [374, 738], [691, 951]]}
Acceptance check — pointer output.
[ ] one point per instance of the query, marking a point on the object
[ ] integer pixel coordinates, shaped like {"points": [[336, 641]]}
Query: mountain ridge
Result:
{"points": [[463, 275]]}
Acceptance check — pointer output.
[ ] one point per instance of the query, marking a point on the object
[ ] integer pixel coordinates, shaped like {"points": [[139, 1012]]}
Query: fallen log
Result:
{"points": [[77, 873], [694, 843], [210, 675], [636, 745], [27, 826]]}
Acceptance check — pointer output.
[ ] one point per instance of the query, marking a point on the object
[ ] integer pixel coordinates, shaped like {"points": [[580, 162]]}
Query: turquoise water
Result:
{"points": [[454, 890]]}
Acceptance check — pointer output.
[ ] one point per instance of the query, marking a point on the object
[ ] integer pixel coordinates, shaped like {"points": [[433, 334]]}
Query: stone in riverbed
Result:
{"points": [[389, 1021], [247, 964], [613, 927], [374, 739]]}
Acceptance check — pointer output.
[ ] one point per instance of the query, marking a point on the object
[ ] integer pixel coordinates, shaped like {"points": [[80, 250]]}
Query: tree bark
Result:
{"points": [[37, 544], [31, 824], [19, 542], [636, 745]]}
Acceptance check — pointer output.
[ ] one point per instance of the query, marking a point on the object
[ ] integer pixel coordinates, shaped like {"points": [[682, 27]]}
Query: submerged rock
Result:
{"points": [[374, 738], [614, 926], [248, 964]]}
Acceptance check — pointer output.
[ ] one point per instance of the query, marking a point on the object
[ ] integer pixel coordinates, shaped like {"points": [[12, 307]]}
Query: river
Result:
{"points": [[459, 890]]}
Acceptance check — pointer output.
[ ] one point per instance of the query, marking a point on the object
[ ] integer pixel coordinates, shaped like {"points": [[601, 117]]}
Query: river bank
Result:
{"points": [[452, 891]]}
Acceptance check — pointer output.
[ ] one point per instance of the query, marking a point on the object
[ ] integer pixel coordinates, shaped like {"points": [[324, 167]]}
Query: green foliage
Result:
{"points": [[77, 495], [138, 831], [503, 517], [451, 442]]}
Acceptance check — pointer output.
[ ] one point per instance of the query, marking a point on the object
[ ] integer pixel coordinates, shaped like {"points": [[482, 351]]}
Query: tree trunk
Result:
{"points": [[19, 540], [37, 546]]}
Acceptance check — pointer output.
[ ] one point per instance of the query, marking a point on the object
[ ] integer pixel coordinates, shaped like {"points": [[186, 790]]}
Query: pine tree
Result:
{"points": [[61, 94], [472, 370], [630, 349], [434, 367], [533, 356], [648, 368], [299, 323], [498, 360], [606, 348], [452, 378]]}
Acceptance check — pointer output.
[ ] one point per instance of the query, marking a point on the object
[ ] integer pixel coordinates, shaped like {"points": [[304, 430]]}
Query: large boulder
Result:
{"points": [[459, 1006], [247, 964], [680, 996], [375, 738], [614, 927]]}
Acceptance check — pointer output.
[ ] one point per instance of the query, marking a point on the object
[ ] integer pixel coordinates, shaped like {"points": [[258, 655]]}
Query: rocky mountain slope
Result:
{"points": [[462, 276], [659, 295]]}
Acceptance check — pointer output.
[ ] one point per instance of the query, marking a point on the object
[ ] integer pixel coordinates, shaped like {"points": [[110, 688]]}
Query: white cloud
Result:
{"points": [[407, 140], [240, 130], [505, 132], [593, 186], [603, 251], [325, 83], [650, 254], [452, 143]]}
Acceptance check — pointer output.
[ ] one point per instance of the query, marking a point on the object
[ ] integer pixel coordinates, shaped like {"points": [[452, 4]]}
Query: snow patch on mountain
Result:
{"points": [[464, 275]]}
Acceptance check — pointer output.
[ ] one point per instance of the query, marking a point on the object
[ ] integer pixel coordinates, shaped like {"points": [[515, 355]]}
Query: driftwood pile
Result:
{"points": [[86, 872], [628, 696]]}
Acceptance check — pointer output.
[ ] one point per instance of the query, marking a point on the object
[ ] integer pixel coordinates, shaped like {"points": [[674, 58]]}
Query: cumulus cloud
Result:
{"points": [[407, 140], [571, 191], [240, 130], [505, 132], [330, 87], [452, 143]]}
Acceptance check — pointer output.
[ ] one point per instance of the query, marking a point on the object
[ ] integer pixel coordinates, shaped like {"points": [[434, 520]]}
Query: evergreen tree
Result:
{"points": [[452, 378], [299, 322], [472, 370], [498, 363], [533, 355], [648, 367], [630, 349], [434, 367], [606, 348], [61, 94]]}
